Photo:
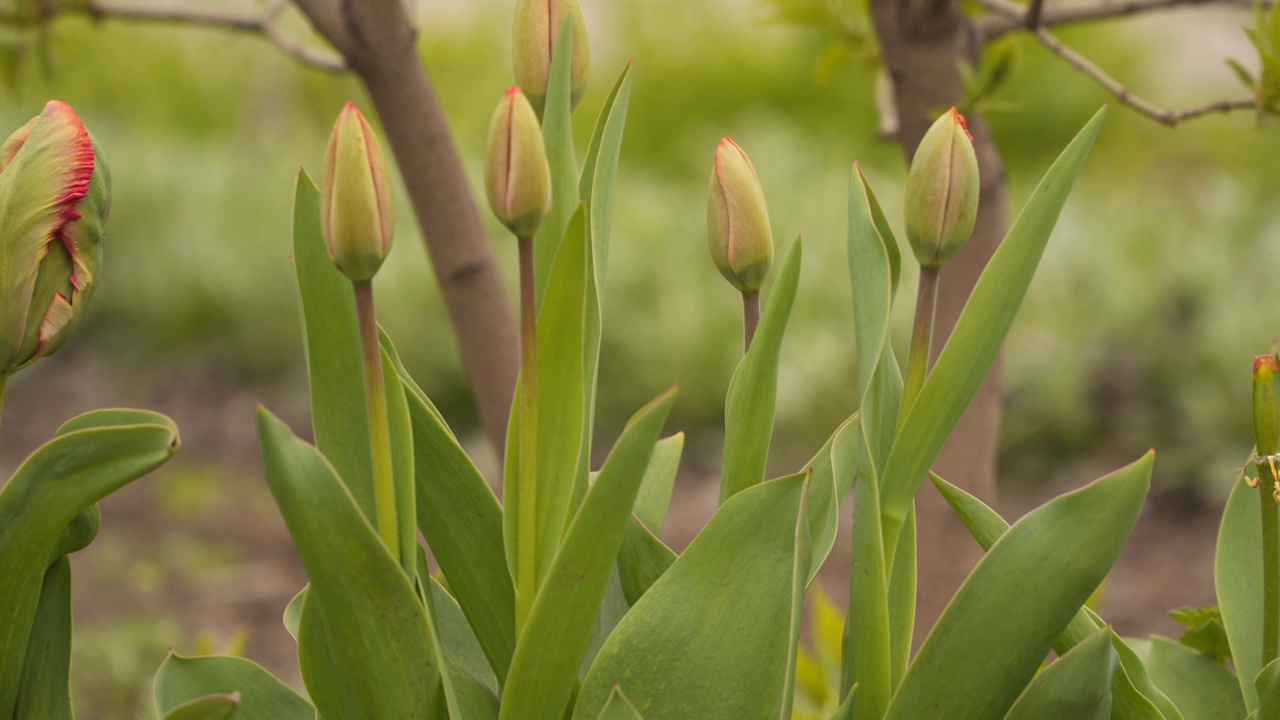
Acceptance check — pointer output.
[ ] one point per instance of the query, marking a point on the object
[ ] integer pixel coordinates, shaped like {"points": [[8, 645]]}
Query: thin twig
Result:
{"points": [[265, 24], [1034, 12], [1164, 116], [1007, 16]]}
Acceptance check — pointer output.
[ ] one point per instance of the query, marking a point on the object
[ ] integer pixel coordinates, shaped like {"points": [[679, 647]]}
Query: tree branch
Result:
{"points": [[1006, 16], [265, 24], [1164, 116]]}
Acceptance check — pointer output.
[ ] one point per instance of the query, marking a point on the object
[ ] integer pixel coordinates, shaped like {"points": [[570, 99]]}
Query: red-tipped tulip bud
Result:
{"points": [[355, 202], [1266, 413], [738, 221], [942, 191], [533, 41], [517, 177], [55, 194]]}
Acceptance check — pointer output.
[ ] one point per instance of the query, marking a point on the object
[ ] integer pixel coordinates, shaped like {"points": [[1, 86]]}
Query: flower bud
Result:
{"points": [[737, 220], [942, 191], [517, 177], [533, 41], [1266, 413], [355, 201], [55, 194]]}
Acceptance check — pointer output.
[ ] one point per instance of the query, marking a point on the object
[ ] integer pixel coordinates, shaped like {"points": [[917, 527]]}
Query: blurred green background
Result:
{"points": [[1156, 291]]}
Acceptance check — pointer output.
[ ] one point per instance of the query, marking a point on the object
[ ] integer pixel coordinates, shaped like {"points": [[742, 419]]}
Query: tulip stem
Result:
{"points": [[384, 490], [526, 535], [750, 318], [1270, 564], [921, 339]]}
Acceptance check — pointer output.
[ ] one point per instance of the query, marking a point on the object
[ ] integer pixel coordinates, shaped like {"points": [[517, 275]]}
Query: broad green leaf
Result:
{"points": [[1134, 696], [741, 578], [902, 600], [1268, 686], [557, 135], [55, 484], [1237, 577], [293, 613], [866, 654], [642, 559], [181, 680], [619, 707], [658, 483], [832, 469], [1201, 688], [374, 627], [402, 463], [978, 335], [748, 409], [339, 416], [870, 277], [1000, 625], [544, 669], [44, 693], [613, 607], [473, 680], [211, 707], [1077, 685]]}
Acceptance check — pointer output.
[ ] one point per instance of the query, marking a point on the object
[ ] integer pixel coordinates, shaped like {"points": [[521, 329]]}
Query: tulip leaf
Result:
{"points": [[866, 640], [1237, 577], [210, 707], [544, 669], [748, 409], [1268, 686], [462, 523], [619, 707], [833, 469], [474, 684], [375, 629], [741, 578], [659, 481], [402, 463], [339, 414], [642, 559], [182, 680], [1201, 688], [1077, 685], [557, 134], [53, 486], [44, 693], [1000, 625], [978, 335]]}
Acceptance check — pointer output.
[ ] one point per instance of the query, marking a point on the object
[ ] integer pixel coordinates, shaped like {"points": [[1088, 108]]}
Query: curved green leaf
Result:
{"points": [[1003, 621], [1268, 686], [642, 559], [212, 707], [978, 335], [182, 680], [54, 485], [44, 693], [1077, 685], [544, 669], [557, 135], [866, 642], [659, 482], [742, 580], [833, 469], [619, 707], [748, 409], [1237, 576], [374, 626], [1201, 688]]}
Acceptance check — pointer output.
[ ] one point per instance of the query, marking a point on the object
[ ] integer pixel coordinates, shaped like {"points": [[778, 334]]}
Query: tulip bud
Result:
{"points": [[517, 177], [355, 202], [1266, 413], [55, 194], [738, 221], [533, 41], [942, 191]]}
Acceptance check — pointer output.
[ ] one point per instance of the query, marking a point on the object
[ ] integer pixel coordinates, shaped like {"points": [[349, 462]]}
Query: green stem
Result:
{"points": [[1270, 564], [921, 340], [384, 488], [526, 535], [750, 318]]}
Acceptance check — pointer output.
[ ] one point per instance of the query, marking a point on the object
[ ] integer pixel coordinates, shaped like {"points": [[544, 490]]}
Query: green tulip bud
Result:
{"points": [[517, 176], [738, 220], [355, 200], [55, 195], [942, 191], [533, 42]]}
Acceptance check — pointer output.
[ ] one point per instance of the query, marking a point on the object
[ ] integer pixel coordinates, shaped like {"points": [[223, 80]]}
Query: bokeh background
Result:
{"points": [[1157, 289]]}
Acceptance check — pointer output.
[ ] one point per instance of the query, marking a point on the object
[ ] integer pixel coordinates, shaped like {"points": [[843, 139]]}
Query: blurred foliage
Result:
{"points": [[1138, 332], [113, 664], [1205, 631]]}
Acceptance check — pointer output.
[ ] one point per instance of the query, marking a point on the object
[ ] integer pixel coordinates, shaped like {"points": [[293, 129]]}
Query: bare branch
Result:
{"points": [[265, 24], [1034, 12], [1007, 16], [1164, 116]]}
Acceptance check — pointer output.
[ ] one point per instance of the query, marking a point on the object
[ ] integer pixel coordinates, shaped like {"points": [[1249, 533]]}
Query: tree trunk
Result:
{"points": [[922, 41]]}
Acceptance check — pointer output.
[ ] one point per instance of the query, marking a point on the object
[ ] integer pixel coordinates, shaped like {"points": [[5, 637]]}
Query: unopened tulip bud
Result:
{"points": [[1266, 412], [942, 191], [517, 177], [355, 203], [738, 221], [534, 36], [55, 194]]}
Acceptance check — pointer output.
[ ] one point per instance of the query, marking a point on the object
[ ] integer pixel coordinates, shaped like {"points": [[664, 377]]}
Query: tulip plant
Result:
{"points": [[55, 193]]}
